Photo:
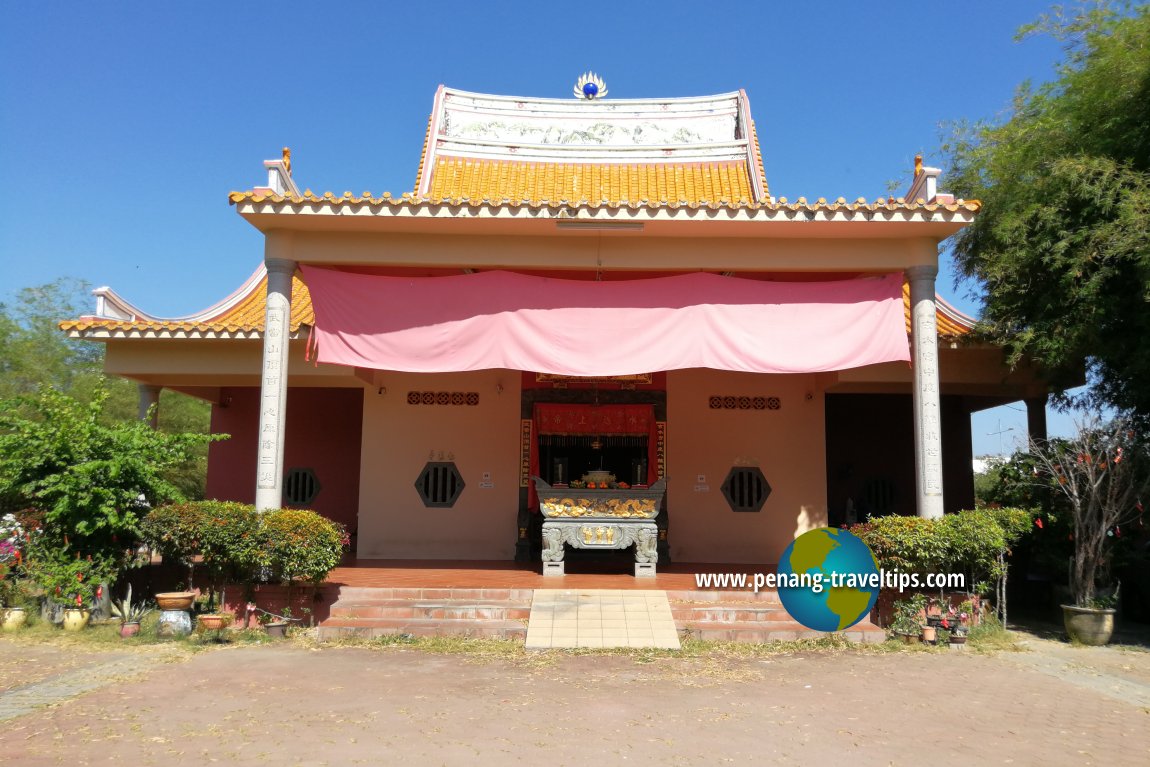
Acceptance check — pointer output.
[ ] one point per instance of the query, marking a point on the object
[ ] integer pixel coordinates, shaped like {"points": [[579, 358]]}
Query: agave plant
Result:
{"points": [[127, 611]]}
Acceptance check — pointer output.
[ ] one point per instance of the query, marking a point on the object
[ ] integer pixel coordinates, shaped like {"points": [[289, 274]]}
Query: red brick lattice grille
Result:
{"points": [[742, 402], [469, 398]]}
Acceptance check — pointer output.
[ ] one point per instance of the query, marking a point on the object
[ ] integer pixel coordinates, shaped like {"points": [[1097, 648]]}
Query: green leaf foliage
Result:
{"points": [[237, 542], [1061, 245], [35, 353], [94, 481], [302, 545], [972, 542]]}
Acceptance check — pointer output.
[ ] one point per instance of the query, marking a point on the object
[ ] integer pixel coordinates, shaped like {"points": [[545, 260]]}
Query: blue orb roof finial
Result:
{"points": [[590, 87]]}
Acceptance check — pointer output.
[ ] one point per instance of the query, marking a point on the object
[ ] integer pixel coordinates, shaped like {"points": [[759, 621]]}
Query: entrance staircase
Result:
{"points": [[375, 612], [745, 616], [730, 616]]}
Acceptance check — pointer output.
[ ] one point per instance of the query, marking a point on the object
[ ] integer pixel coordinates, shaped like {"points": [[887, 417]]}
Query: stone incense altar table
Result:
{"points": [[600, 518]]}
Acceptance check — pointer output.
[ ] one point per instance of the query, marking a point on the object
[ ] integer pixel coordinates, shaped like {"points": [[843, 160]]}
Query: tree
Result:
{"points": [[34, 353], [1103, 473], [93, 480], [1061, 246]]}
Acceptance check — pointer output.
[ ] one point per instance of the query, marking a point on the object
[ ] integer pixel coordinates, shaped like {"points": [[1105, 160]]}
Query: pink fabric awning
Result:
{"points": [[583, 328]]}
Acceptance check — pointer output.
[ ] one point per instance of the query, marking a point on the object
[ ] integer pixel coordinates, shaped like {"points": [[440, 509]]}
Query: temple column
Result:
{"points": [[273, 375], [149, 396], [1036, 418], [927, 415]]}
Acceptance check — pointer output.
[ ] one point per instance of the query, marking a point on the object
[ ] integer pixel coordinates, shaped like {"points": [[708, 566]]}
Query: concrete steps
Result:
{"points": [[727, 616], [743, 616], [375, 612]]}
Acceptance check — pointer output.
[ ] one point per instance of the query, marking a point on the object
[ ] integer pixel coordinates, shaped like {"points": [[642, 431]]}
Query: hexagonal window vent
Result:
{"points": [[746, 489], [439, 484], [300, 487]]}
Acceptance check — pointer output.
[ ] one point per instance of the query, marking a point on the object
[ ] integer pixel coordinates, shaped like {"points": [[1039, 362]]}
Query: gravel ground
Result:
{"points": [[296, 704]]}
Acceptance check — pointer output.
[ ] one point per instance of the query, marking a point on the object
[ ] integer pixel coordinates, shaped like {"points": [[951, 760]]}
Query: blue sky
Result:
{"points": [[124, 126]]}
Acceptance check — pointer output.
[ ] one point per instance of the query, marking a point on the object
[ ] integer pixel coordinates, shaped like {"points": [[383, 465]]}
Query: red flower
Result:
{"points": [[99, 592], [79, 602], [79, 577], [57, 591]]}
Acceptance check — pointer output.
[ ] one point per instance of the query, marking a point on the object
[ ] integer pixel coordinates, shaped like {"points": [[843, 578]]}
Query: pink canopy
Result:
{"points": [[584, 328]]}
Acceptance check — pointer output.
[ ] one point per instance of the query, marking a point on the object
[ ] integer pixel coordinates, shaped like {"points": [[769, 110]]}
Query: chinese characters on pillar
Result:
{"points": [[927, 340], [271, 404]]}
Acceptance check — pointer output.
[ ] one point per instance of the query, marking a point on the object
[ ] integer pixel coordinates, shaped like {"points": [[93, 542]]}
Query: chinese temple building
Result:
{"points": [[582, 290]]}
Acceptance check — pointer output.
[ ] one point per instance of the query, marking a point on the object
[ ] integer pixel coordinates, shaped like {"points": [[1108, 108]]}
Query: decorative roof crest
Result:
{"points": [[590, 87]]}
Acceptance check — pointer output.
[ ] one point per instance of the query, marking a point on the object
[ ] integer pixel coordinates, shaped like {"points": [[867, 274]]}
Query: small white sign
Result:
{"points": [[486, 485], [702, 488], [486, 476], [701, 479]]}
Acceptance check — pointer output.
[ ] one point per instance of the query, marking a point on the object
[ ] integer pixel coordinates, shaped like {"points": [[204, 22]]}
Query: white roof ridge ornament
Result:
{"points": [[590, 87]]}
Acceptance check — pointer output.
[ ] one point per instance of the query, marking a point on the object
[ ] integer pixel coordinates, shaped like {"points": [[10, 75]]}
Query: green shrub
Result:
{"points": [[976, 543], [232, 541], [68, 581], [93, 480], [175, 530], [237, 543], [301, 544], [970, 541]]}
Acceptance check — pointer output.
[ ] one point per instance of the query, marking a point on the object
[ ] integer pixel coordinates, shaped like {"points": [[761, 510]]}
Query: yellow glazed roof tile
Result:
{"points": [[537, 183], [244, 316], [652, 200]]}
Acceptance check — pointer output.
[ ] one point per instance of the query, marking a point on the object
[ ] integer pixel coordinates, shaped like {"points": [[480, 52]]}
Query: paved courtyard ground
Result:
{"points": [[297, 704]]}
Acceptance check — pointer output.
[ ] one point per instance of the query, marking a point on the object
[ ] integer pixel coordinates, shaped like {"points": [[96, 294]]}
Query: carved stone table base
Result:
{"points": [[600, 534]]}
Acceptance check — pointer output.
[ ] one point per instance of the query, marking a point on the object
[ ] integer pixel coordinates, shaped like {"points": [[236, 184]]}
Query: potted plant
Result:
{"points": [[1100, 474], [130, 614], [69, 587], [175, 600], [12, 540], [953, 628], [213, 621], [908, 618]]}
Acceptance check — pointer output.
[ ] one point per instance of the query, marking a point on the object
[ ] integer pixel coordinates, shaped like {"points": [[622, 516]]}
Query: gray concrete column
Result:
{"points": [[273, 378], [1036, 418], [149, 396], [927, 415]]}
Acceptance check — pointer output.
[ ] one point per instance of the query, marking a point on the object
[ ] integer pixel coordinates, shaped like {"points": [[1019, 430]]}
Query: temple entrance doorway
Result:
{"points": [[574, 435]]}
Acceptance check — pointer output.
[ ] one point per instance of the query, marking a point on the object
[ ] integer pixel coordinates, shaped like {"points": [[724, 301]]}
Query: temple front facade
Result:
{"points": [[590, 290]]}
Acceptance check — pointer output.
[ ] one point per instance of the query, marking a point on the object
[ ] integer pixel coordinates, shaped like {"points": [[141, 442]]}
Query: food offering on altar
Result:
{"points": [[601, 498], [598, 480]]}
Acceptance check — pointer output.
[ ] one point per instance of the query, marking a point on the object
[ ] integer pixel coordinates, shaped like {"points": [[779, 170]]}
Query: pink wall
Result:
{"points": [[323, 434]]}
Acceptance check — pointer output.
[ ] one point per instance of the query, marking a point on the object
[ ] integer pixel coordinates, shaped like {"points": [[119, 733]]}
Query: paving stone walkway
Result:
{"points": [[19, 701], [600, 618]]}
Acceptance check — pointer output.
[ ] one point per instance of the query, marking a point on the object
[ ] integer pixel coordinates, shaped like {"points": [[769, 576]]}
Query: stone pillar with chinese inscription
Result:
{"points": [[273, 379], [150, 403], [927, 412]]}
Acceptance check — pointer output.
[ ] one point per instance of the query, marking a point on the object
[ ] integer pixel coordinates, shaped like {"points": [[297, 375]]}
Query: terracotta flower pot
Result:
{"points": [[212, 622], [175, 600], [76, 619], [929, 634], [129, 629]]}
